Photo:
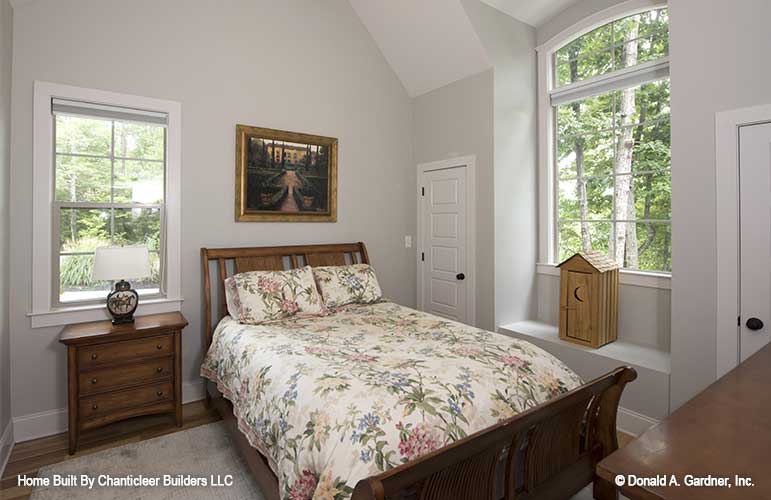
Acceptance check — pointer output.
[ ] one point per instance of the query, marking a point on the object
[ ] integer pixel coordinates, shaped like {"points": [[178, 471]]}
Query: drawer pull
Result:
{"points": [[94, 406], [93, 380], [159, 369], [159, 393], [93, 356], [159, 347]]}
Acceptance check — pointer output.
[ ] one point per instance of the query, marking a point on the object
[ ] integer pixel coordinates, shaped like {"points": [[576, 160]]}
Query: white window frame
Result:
{"points": [[44, 310], [547, 178]]}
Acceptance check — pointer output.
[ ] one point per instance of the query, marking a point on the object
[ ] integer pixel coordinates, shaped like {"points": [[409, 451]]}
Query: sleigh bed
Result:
{"points": [[378, 401]]}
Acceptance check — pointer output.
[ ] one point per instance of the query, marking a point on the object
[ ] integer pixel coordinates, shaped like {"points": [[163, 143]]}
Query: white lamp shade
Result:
{"points": [[117, 263]]}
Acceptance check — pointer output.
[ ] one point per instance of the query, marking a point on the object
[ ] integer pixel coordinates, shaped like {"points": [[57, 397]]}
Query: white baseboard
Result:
{"points": [[631, 422], [38, 425], [6, 446], [50, 422]]}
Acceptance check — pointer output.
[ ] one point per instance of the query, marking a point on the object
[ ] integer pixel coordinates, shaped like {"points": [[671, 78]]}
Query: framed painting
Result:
{"points": [[285, 176]]}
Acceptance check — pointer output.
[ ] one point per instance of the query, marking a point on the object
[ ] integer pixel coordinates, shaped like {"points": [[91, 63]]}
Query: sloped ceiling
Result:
{"points": [[532, 12], [431, 43], [428, 43]]}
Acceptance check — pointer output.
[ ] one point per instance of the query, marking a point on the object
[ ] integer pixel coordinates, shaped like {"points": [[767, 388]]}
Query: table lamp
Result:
{"points": [[119, 264]]}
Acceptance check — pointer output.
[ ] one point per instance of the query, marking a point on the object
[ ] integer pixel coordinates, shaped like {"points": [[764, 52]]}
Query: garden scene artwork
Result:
{"points": [[285, 176]]}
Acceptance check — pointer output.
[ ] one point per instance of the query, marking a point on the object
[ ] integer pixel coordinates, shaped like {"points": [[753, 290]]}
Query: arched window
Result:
{"points": [[608, 145]]}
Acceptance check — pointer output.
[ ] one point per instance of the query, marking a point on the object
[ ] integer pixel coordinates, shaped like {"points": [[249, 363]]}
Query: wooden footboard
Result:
{"points": [[548, 452]]}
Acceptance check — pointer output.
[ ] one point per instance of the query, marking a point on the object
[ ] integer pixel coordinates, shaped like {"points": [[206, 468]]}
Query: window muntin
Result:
{"points": [[109, 190], [612, 151], [603, 50]]}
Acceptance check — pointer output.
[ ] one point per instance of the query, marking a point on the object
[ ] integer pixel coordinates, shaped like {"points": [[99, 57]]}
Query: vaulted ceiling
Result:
{"points": [[532, 12], [431, 43], [428, 43]]}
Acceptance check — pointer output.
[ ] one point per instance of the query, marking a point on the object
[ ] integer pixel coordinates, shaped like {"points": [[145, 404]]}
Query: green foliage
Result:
{"points": [[588, 145], [90, 168], [602, 50]]}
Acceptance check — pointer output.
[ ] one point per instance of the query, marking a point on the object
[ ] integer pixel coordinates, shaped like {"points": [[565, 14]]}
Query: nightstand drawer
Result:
{"points": [[98, 355], [103, 379], [112, 401]]}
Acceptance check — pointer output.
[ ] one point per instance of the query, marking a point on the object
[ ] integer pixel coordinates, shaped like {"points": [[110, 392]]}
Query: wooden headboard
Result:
{"points": [[230, 261]]}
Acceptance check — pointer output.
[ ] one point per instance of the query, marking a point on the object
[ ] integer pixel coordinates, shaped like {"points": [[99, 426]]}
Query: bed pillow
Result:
{"points": [[341, 285], [261, 296]]}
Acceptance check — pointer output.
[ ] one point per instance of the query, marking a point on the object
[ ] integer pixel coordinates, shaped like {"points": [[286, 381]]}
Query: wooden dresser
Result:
{"points": [[121, 371]]}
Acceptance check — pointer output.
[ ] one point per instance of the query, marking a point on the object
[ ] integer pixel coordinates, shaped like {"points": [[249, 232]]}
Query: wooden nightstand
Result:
{"points": [[121, 371]]}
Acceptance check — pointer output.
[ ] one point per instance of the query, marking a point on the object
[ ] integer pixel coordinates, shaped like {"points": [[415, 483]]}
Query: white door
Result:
{"points": [[755, 229], [443, 242]]}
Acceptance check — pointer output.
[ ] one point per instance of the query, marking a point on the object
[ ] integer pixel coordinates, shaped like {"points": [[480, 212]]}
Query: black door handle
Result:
{"points": [[754, 324], [460, 276]]}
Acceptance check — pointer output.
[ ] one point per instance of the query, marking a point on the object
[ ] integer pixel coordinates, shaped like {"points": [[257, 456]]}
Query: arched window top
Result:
{"points": [[623, 43]]}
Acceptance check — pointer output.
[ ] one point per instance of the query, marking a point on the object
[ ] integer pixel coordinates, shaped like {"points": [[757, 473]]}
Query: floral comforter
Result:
{"points": [[332, 400]]}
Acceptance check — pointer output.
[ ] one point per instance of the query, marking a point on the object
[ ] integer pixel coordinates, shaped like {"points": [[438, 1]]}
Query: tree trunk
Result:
{"points": [[578, 148], [622, 163]]}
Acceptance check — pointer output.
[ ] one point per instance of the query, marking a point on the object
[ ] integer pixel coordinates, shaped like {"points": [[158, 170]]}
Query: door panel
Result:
{"points": [[755, 229], [444, 242]]}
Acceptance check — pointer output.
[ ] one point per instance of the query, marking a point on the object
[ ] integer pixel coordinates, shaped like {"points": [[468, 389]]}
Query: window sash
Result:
{"points": [[614, 81], [108, 112], [633, 76], [113, 114]]}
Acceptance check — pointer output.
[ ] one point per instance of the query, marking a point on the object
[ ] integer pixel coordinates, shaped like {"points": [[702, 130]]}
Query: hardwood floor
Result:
{"points": [[28, 457]]}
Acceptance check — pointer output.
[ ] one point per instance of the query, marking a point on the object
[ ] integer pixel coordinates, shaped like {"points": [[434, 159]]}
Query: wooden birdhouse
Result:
{"points": [[589, 299]]}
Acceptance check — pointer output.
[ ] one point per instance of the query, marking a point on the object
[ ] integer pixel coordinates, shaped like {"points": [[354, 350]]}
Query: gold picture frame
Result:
{"points": [[285, 176]]}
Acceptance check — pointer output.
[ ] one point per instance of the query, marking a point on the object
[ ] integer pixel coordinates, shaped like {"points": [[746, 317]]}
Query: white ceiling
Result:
{"points": [[428, 43], [532, 12]]}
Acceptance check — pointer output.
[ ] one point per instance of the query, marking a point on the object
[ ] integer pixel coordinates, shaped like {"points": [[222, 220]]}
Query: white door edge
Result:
{"points": [[471, 231], [727, 125]]}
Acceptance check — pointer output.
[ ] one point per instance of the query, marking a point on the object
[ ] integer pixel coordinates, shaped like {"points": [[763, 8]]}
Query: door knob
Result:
{"points": [[460, 276], [754, 324]]}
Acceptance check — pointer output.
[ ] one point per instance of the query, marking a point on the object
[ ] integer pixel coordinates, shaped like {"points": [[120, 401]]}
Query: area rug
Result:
{"points": [[182, 459]]}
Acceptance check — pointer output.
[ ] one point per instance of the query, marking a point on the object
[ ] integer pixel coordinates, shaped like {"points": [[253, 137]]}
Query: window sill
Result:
{"points": [[662, 281], [95, 312]]}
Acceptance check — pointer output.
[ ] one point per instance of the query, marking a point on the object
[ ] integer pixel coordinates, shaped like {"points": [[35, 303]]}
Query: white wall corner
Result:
{"points": [[6, 446], [50, 422]]}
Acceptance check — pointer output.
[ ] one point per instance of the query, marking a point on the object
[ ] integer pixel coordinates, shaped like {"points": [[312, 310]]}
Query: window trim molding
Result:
{"points": [[43, 312], [547, 185], [630, 277]]}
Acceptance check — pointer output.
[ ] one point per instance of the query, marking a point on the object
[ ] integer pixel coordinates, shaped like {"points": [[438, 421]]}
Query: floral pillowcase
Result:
{"points": [[341, 285], [261, 296]]}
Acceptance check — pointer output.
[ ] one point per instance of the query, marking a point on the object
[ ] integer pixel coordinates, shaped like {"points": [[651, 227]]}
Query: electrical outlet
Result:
{"points": [[408, 242]]}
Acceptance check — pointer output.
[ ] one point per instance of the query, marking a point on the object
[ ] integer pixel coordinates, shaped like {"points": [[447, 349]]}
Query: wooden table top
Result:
{"points": [[99, 331], [724, 431]]}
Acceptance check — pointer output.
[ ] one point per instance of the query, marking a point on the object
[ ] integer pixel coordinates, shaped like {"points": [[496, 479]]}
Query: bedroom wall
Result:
{"points": [[457, 120], [709, 74], [510, 46], [299, 65], [6, 41]]}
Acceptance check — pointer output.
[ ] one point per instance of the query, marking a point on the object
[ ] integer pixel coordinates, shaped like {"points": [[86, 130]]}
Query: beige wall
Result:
{"points": [[210, 56], [457, 120], [6, 39]]}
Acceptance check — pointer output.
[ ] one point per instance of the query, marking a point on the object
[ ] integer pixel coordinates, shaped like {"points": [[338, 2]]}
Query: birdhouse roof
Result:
{"points": [[598, 260]]}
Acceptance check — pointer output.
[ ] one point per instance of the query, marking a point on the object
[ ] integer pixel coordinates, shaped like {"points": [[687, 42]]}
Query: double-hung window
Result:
{"points": [[106, 172], [110, 166], [609, 143]]}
